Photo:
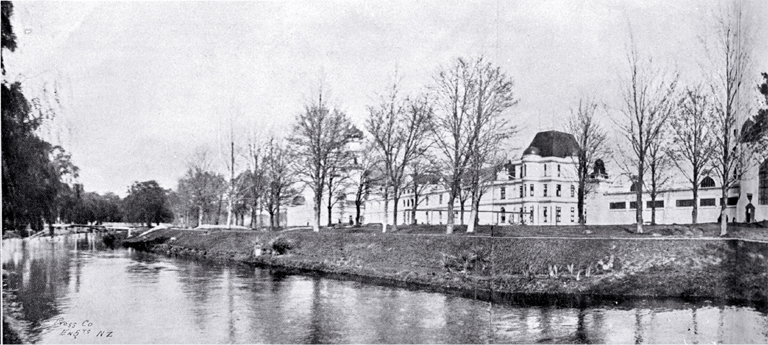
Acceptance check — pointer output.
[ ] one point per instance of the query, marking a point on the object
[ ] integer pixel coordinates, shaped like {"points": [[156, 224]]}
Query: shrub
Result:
{"points": [[282, 245]]}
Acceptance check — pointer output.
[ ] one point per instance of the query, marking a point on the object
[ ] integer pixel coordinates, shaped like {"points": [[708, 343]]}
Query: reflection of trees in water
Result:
{"points": [[198, 282], [40, 278]]}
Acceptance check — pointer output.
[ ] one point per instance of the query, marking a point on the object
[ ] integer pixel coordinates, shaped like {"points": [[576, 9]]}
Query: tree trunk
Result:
{"points": [[253, 216], [639, 198], [580, 202], [316, 208], [229, 212], [461, 211], [277, 210], [695, 211], [200, 215], [450, 222], [330, 208], [357, 212], [723, 207], [475, 204], [386, 210], [395, 200], [413, 209]]}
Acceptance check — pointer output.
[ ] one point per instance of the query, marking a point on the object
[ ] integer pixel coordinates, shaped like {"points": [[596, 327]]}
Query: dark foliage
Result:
{"points": [[147, 202]]}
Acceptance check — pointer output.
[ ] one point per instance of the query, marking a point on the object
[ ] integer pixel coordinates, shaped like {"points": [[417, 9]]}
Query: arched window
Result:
{"points": [[633, 187], [762, 192], [503, 216], [707, 182]]}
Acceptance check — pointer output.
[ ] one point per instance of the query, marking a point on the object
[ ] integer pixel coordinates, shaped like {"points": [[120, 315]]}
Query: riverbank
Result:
{"points": [[647, 266], [13, 326]]}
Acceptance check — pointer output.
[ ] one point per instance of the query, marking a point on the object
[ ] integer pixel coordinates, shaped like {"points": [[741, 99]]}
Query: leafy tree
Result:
{"points": [[147, 202], [201, 188], [32, 168]]}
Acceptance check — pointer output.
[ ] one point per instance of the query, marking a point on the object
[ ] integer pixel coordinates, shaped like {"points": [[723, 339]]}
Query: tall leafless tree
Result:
{"points": [[471, 96], [367, 174], [591, 137], [423, 175], [399, 127], [692, 143], [730, 54], [647, 104], [318, 134], [280, 179], [659, 164]]}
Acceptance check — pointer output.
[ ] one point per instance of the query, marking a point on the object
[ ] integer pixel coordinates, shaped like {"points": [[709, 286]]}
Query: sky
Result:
{"points": [[138, 87]]}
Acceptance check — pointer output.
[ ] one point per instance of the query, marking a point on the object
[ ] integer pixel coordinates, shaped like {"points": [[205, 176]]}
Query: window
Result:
{"points": [[513, 172], [545, 170], [441, 200], [732, 201], [544, 218], [522, 190], [762, 192], [503, 193], [707, 202], [707, 182], [503, 215], [558, 170], [684, 203], [531, 214], [523, 172], [573, 214], [557, 214], [557, 190], [427, 200], [658, 204], [617, 205], [545, 189], [573, 191], [633, 205], [531, 189]]}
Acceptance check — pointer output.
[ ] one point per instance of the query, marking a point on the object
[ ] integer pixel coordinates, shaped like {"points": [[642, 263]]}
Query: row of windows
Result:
{"points": [[621, 205], [545, 214], [558, 190], [524, 171]]}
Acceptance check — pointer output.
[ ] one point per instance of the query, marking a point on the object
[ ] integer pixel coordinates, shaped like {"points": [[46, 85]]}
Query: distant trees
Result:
{"points": [[692, 141], [591, 137], [320, 135], [647, 104], [470, 97], [399, 127], [200, 187], [147, 203], [367, 175]]}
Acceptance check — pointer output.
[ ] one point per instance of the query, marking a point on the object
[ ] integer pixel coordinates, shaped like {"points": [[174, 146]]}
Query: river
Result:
{"points": [[73, 290]]}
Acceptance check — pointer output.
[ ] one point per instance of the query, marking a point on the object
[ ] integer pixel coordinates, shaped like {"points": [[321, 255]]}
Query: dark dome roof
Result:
{"points": [[553, 144], [531, 150]]}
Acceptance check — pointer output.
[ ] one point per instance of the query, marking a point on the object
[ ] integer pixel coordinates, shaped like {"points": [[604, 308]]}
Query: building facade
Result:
{"points": [[540, 188]]}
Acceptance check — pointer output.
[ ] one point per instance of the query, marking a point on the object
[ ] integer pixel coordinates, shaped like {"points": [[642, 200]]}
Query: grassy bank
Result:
{"points": [[674, 266]]}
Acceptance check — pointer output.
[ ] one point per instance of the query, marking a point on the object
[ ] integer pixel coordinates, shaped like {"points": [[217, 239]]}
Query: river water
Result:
{"points": [[73, 290]]}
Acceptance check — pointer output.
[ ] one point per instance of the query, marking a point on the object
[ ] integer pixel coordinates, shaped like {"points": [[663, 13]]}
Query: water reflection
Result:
{"points": [[143, 298]]}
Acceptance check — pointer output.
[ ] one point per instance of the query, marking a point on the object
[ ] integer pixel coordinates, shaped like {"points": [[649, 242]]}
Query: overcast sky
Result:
{"points": [[141, 85]]}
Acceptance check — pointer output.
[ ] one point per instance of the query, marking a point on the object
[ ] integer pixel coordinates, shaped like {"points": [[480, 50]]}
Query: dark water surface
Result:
{"points": [[75, 291]]}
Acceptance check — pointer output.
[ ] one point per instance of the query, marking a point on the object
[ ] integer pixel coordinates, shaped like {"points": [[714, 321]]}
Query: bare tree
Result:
{"points": [[398, 127], [339, 168], [692, 143], [730, 56], [647, 104], [318, 134], [470, 97], [659, 164], [591, 137], [279, 178], [367, 174], [257, 181], [423, 175]]}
